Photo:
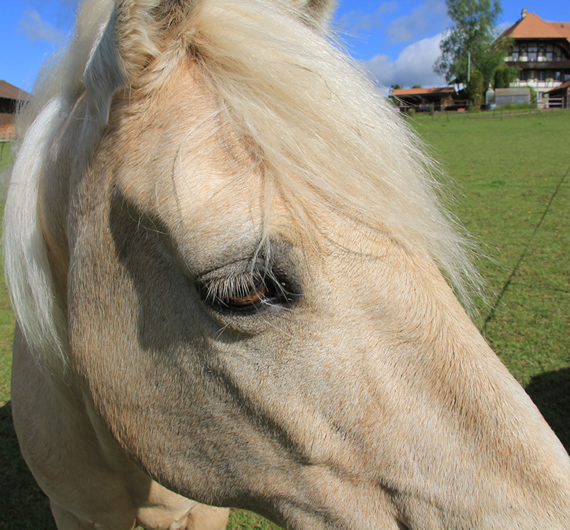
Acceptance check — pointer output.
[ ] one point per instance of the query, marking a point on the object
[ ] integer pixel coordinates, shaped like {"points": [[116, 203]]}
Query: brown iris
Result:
{"points": [[257, 294]]}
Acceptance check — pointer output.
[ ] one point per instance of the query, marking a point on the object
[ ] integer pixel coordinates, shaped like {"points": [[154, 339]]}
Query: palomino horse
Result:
{"points": [[227, 259]]}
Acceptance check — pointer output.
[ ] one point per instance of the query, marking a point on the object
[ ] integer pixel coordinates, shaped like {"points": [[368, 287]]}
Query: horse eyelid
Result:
{"points": [[245, 292]]}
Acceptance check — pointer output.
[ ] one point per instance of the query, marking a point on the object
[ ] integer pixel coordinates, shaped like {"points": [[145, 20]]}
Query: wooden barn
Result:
{"points": [[11, 98], [425, 99], [559, 97]]}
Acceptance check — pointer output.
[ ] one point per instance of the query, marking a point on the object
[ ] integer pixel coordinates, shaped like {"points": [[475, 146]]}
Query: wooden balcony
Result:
{"points": [[540, 65]]}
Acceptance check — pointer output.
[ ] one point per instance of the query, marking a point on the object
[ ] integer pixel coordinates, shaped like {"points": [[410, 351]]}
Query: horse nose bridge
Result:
{"points": [[362, 285]]}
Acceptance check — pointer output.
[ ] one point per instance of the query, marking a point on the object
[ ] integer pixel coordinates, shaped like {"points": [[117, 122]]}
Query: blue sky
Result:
{"points": [[398, 41]]}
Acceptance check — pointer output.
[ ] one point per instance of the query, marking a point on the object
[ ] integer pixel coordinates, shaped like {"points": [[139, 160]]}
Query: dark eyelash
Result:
{"points": [[246, 291], [232, 286]]}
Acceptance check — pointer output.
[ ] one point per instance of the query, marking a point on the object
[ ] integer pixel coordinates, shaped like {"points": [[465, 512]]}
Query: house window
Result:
{"points": [[515, 55], [542, 75], [524, 75], [557, 53], [557, 75], [566, 76], [541, 53], [523, 53], [549, 52], [532, 51]]}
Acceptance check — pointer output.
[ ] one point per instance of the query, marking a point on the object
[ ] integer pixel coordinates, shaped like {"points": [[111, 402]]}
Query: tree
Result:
{"points": [[470, 43], [393, 99]]}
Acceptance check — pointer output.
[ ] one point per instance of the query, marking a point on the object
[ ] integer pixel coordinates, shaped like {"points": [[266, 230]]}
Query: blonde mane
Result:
{"points": [[316, 124]]}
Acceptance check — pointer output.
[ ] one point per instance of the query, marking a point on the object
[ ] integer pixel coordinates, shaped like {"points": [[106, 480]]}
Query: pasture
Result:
{"points": [[513, 193]]}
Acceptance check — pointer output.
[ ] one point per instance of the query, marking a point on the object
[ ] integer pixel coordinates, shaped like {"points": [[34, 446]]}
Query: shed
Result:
{"points": [[559, 97], [424, 99], [11, 98], [506, 96]]}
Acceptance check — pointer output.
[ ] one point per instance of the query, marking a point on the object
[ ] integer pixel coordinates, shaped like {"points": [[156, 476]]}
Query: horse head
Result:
{"points": [[230, 263]]}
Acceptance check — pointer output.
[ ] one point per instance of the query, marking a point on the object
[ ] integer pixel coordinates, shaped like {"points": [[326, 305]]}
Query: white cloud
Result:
{"points": [[414, 65], [36, 29]]}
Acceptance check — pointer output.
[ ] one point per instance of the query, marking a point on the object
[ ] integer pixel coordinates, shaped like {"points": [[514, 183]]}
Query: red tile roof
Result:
{"points": [[533, 27], [562, 27], [9, 91], [423, 91]]}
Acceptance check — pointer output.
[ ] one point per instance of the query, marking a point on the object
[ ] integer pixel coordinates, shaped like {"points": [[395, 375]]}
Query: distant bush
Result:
{"points": [[476, 88], [532, 96], [503, 76]]}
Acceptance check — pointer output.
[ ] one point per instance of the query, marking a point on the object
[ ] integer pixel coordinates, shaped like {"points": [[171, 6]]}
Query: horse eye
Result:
{"points": [[246, 292], [256, 295]]}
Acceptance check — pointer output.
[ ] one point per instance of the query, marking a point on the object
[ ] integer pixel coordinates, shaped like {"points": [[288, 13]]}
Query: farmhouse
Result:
{"points": [[425, 99], [541, 52], [11, 98]]}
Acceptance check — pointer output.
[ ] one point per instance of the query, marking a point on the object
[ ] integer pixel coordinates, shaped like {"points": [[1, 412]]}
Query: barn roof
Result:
{"points": [[9, 91], [424, 91]]}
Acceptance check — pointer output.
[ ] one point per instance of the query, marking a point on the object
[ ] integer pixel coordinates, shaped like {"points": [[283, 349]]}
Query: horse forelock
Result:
{"points": [[304, 111], [321, 131]]}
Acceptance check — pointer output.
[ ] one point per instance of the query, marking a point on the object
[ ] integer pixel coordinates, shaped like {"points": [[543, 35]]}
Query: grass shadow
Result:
{"points": [[551, 393], [21, 500]]}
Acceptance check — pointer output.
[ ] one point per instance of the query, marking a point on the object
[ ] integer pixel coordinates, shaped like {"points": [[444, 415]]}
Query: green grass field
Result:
{"points": [[7, 320], [514, 197], [513, 194]]}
